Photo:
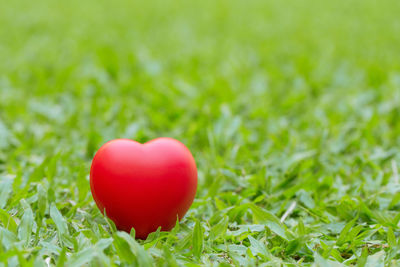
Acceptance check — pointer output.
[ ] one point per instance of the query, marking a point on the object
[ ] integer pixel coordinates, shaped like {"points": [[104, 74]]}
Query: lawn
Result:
{"points": [[291, 110]]}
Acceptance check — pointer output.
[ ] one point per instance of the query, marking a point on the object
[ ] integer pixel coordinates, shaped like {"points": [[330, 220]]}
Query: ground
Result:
{"points": [[290, 108]]}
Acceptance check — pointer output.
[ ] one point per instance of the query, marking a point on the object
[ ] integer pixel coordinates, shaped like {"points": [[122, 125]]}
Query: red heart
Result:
{"points": [[144, 186]]}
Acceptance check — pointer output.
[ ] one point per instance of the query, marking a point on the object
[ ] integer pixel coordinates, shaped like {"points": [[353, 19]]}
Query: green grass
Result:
{"points": [[290, 108]]}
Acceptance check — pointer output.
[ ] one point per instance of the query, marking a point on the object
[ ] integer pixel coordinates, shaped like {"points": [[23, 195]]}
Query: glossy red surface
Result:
{"points": [[144, 186]]}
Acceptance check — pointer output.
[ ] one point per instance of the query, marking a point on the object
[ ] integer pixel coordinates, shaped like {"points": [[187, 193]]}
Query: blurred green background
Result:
{"points": [[279, 102], [76, 69]]}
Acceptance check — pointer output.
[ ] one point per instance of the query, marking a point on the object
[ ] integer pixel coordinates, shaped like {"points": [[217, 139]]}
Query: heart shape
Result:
{"points": [[144, 186]]}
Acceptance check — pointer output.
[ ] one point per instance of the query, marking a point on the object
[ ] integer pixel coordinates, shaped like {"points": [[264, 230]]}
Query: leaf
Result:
{"points": [[336, 255], [59, 221], [82, 257], [293, 246], [110, 223], [87, 255], [306, 199], [271, 221], [219, 229], [185, 242], [376, 260], [8, 221], [26, 225], [142, 256], [7, 238], [132, 233], [391, 238], [5, 190], [354, 232], [363, 258], [169, 257], [123, 249], [104, 243], [343, 234], [395, 200], [153, 237], [172, 234], [62, 257], [321, 262], [219, 204], [258, 248], [301, 230], [237, 249], [42, 201], [197, 239]]}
